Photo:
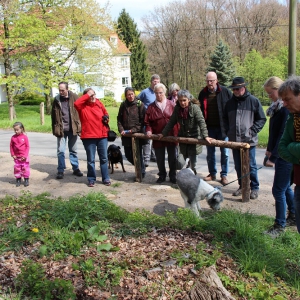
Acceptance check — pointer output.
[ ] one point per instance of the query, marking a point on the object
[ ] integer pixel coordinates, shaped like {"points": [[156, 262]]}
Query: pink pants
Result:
{"points": [[21, 169]]}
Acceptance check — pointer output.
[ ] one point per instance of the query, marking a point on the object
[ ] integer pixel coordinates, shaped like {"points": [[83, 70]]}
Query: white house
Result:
{"points": [[111, 78]]}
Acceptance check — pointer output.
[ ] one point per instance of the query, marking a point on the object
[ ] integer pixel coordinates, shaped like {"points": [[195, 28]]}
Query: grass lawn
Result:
{"points": [[81, 247], [30, 117]]}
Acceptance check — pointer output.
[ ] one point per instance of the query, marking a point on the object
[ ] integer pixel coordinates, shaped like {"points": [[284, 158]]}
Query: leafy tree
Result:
{"points": [[129, 34], [221, 62]]}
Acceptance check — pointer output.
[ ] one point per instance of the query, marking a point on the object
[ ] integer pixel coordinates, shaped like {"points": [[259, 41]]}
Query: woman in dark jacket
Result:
{"points": [[191, 123], [281, 190], [131, 120], [157, 116]]}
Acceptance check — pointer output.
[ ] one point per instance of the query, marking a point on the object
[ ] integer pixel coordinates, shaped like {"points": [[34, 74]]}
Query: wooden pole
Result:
{"points": [[42, 113], [245, 180], [292, 37], [137, 159]]}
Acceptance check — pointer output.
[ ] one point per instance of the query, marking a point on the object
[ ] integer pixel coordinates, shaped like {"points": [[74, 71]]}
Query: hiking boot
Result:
{"points": [[77, 173], [18, 182], [26, 181], [275, 230], [224, 180], [254, 194], [153, 159], [173, 180], [107, 183], [161, 179], [146, 163], [291, 219], [60, 175], [91, 183], [238, 192], [209, 177]]}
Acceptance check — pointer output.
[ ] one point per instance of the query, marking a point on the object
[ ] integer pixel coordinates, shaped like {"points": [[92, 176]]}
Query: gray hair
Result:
{"points": [[186, 94], [173, 87], [160, 86], [291, 84], [155, 76]]}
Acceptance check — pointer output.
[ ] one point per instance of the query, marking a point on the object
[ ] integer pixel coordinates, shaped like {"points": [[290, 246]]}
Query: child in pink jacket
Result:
{"points": [[19, 150]]}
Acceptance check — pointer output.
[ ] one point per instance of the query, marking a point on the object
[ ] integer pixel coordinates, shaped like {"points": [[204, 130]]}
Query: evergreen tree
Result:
{"points": [[129, 34], [221, 63]]}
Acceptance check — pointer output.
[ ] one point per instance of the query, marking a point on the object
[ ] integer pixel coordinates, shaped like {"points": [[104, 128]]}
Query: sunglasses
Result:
{"points": [[236, 88]]}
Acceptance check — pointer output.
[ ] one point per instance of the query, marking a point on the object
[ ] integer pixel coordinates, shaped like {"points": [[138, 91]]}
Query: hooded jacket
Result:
{"points": [[244, 118]]}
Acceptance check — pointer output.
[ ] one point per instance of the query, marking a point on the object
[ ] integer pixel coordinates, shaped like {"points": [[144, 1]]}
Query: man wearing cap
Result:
{"points": [[212, 102], [289, 145], [244, 118]]}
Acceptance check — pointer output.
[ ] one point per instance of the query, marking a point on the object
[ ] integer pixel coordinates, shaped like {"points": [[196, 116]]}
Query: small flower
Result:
{"points": [[9, 218], [34, 230]]}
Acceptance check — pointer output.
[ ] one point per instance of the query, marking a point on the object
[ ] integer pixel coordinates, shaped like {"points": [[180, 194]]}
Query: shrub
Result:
{"points": [[109, 101], [29, 98]]}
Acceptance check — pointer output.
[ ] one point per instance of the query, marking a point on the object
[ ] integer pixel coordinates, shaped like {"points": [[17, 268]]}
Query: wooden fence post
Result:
{"points": [[245, 180], [137, 158], [42, 113]]}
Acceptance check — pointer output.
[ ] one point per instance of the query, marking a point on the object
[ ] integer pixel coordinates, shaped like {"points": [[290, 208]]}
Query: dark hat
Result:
{"points": [[238, 82]]}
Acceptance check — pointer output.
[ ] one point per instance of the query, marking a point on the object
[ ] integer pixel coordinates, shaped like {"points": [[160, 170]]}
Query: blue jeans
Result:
{"points": [[129, 155], [297, 205], [61, 149], [90, 146], [282, 192], [216, 133], [254, 183]]}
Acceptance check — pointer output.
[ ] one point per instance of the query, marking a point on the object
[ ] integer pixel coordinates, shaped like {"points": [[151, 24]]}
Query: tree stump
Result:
{"points": [[209, 287]]}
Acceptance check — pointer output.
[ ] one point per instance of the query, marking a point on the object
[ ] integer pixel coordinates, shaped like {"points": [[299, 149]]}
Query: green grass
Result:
{"points": [[67, 228], [30, 117]]}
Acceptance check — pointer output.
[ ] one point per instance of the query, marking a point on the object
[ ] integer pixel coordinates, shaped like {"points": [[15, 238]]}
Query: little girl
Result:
{"points": [[19, 150]]}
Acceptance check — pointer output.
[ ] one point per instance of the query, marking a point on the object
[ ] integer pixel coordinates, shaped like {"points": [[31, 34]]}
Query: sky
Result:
{"points": [[135, 8]]}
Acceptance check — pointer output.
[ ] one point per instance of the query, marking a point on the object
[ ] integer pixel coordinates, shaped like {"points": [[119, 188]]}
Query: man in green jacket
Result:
{"points": [[289, 145]]}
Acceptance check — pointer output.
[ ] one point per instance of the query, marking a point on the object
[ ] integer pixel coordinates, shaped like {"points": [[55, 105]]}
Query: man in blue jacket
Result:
{"points": [[244, 118]]}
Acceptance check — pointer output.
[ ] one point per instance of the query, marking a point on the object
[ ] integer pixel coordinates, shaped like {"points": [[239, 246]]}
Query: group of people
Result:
{"points": [[219, 114]]}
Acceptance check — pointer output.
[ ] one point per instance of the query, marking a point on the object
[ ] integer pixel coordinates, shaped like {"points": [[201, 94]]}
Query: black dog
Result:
{"points": [[114, 155]]}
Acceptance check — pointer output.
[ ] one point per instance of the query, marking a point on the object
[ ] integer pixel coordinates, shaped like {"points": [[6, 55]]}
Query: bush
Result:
{"points": [[109, 101], [28, 98]]}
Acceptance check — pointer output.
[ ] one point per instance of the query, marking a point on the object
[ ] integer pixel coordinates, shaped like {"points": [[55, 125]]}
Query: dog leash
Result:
{"points": [[239, 178]]}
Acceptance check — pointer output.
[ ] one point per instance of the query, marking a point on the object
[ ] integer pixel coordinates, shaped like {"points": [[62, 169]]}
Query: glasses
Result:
{"points": [[212, 80], [236, 88]]}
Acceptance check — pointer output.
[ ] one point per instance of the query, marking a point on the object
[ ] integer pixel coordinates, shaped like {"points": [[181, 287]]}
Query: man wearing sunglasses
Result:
{"points": [[244, 118]]}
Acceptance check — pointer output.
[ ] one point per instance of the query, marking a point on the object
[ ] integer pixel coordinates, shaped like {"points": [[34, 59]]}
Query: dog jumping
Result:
{"points": [[193, 189], [114, 156]]}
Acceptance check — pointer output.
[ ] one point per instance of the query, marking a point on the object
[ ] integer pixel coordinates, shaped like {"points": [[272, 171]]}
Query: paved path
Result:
{"points": [[44, 144]]}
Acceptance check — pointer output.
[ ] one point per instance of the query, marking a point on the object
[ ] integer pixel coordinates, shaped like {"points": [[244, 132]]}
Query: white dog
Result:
{"points": [[193, 189]]}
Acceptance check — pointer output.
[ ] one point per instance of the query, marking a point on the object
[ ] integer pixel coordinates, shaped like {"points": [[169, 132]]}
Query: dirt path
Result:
{"points": [[123, 191]]}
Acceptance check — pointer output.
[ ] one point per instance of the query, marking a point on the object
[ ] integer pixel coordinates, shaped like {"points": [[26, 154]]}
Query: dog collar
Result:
{"points": [[210, 193]]}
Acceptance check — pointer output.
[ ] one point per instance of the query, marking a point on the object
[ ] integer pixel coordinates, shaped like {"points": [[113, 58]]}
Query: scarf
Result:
{"points": [[297, 127], [184, 112], [274, 107], [161, 105]]}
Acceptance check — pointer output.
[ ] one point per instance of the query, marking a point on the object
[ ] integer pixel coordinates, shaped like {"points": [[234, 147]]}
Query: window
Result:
{"points": [[124, 81], [113, 40], [124, 62]]}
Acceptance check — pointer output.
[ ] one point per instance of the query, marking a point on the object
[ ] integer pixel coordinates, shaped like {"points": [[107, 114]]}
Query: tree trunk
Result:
{"points": [[209, 287], [48, 104]]}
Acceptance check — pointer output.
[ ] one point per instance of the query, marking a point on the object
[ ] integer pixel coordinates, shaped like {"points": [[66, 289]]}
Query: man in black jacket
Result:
{"points": [[212, 100]]}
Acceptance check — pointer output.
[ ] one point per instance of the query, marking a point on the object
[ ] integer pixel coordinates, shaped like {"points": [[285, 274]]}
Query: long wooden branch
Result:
{"points": [[173, 139]]}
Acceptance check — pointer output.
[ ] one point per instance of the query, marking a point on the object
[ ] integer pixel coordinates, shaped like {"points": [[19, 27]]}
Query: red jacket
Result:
{"points": [[156, 120], [90, 114], [19, 146]]}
